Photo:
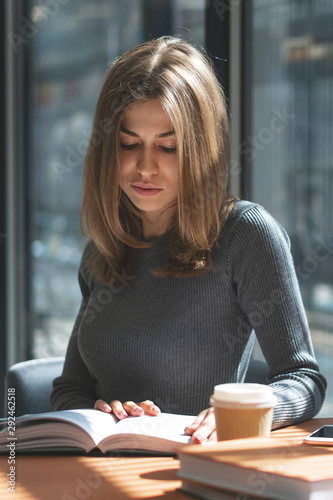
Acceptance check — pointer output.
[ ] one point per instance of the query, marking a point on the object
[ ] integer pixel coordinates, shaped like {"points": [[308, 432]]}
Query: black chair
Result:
{"points": [[33, 379]]}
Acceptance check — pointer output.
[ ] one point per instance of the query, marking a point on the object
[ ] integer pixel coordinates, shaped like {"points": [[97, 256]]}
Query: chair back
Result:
{"points": [[32, 381]]}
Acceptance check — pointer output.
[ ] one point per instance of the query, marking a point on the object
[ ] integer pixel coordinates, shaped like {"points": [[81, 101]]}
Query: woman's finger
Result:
{"points": [[206, 428], [129, 408], [149, 407], [192, 427], [102, 406], [118, 409], [133, 409], [203, 427]]}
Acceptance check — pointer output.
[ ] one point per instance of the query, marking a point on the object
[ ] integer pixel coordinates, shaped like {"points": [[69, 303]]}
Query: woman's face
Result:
{"points": [[148, 162]]}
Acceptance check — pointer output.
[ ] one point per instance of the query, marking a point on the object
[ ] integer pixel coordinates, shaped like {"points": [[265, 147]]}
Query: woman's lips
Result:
{"points": [[146, 190]]}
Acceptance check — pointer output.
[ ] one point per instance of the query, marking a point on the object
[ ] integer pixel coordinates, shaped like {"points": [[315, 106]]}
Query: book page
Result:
{"points": [[146, 431]]}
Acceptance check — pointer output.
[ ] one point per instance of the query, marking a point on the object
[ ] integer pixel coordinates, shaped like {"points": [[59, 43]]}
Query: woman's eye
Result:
{"points": [[169, 150], [128, 146]]}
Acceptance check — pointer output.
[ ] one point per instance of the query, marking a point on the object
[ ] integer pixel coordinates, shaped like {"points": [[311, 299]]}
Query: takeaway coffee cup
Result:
{"points": [[242, 410]]}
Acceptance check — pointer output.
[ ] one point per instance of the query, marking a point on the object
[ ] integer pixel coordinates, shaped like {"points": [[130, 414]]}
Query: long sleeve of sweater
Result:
{"points": [[261, 268]]}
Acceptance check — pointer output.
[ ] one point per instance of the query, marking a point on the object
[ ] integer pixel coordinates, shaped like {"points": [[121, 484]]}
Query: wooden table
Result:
{"points": [[104, 478]]}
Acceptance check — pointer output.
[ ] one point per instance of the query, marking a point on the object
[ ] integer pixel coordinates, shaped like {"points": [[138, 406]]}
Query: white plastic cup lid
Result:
{"points": [[243, 393]]}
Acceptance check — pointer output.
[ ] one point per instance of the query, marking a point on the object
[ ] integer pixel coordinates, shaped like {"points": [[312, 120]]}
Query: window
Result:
{"points": [[288, 145]]}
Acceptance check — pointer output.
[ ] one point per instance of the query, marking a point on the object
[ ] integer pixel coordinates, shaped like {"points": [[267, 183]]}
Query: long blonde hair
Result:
{"points": [[182, 78]]}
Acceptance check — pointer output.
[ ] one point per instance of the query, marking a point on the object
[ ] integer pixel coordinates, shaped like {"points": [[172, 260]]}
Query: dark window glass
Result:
{"points": [[289, 145]]}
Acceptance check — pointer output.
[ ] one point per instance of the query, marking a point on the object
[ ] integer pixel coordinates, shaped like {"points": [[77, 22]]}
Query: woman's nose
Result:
{"points": [[147, 163]]}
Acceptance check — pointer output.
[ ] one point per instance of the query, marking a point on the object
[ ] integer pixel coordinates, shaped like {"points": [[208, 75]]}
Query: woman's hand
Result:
{"points": [[203, 427], [129, 408]]}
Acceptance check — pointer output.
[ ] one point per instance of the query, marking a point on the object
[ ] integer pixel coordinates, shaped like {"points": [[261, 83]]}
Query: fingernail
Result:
{"points": [[154, 408], [137, 409], [106, 408], [190, 428], [198, 439], [122, 413]]}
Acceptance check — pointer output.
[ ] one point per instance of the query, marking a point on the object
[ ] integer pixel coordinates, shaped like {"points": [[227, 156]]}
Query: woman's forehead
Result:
{"points": [[147, 115]]}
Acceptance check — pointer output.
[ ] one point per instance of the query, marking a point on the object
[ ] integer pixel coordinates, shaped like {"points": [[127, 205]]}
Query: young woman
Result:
{"points": [[177, 275]]}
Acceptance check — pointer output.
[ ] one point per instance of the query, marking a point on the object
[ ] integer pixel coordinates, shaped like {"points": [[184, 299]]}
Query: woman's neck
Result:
{"points": [[155, 225], [152, 231]]}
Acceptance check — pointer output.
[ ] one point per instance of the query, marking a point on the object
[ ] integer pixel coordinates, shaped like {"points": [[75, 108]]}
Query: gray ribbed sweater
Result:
{"points": [[171, 340]]}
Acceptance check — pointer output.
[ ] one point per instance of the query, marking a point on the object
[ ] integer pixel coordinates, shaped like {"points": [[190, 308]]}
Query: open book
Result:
{"points": [[89, 429]]}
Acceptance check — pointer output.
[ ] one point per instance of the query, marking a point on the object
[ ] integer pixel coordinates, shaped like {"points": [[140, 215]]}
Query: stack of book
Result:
{"points": [[253, 468]]}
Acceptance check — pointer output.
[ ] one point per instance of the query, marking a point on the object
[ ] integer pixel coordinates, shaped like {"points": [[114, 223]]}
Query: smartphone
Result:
{"points": [[323, 436]]}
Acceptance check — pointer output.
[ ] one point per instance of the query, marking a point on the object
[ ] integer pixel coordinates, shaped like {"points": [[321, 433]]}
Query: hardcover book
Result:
{"points": [[280, 469]]}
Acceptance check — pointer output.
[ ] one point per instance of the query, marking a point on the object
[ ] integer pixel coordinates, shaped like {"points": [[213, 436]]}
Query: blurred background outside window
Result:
{"points": [[290, 147]]}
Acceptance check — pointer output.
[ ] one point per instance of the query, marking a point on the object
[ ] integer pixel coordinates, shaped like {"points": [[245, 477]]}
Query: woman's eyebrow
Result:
{"points": [[166, 134], [128, 132], [133, 134]]}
